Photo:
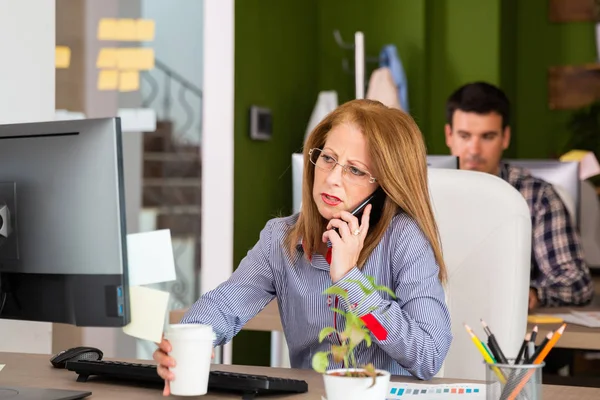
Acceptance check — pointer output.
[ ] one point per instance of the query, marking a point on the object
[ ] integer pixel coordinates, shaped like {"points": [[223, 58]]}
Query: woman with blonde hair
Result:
{"points": [[359, 150]]}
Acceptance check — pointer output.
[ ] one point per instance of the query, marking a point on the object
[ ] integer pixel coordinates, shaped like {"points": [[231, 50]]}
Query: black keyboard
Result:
{"points": [[218, 380]]}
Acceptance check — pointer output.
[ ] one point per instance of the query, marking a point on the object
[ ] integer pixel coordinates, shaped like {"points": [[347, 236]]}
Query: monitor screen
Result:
{"points": [[63, 257], [442, 161], [563, 175]]}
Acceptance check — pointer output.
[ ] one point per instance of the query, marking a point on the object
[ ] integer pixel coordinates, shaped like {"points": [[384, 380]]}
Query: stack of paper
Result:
{"points": [[591, 319]]}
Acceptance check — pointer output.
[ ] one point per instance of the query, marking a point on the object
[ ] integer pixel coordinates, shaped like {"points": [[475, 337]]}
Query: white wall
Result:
{"points": [[27, 95], [179, 44]]}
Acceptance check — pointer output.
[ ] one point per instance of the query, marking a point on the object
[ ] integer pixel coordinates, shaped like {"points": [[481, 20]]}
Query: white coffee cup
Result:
{"points": [[191, 347]]}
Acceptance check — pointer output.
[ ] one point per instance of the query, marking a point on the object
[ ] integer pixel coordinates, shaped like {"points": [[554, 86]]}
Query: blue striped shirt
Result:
{"points": [[416, 323]]}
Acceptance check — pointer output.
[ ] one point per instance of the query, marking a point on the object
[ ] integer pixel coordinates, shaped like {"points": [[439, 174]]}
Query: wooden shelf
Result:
{"points": [[572, 10], [573, 86]]}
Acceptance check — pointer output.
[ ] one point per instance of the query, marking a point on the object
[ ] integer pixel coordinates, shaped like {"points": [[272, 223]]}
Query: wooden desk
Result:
{"points": [[575, 336], [266, 320], [34, 370]]}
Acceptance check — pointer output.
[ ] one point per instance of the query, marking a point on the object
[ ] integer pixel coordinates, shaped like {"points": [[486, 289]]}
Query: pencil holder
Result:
{"points": [[513, 382]]}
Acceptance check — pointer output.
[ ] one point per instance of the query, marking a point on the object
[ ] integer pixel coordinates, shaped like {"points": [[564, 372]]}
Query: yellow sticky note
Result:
{"points": [[107, 29], [126, 30], [108, 80], [145, 58], [136, 58], [574, 155], [129, 81], [62, 57], [544, 319], [107, 58], [148, 311], [145, 30], [2, 366]]}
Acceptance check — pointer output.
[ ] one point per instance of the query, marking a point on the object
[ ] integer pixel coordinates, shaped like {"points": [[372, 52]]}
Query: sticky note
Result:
{"points": [[107, 58], [107, 29], [126, 30], [148, 310], [2, 366], [145, 58], [129, 81], [145, 30], [136, 58], [62, 57], [150, 257], [108, 80]]}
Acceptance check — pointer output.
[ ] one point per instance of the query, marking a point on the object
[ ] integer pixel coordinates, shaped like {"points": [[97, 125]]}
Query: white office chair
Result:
{"points": [[590, 224], [485, 230]]}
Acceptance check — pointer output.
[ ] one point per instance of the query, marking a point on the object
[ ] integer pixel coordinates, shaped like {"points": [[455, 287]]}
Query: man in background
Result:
{"points": [[478, 131]]}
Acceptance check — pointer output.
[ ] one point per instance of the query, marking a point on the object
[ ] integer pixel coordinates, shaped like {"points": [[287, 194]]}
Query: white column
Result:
{"points": [[217, 147], [27, 29]]}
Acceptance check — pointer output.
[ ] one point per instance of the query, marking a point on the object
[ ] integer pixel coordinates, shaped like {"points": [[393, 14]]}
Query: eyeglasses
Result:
{"points": [[352, 174]]}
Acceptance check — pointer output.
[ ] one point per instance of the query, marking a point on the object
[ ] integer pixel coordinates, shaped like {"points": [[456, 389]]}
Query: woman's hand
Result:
{"points": [[348, 244], [164, 362]]}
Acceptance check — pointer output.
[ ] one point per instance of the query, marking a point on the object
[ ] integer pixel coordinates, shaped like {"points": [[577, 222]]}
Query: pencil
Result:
{"points": [[538, 360], [494, 346], [485, 354], [540, 348], [522, 349], [534, 332]]}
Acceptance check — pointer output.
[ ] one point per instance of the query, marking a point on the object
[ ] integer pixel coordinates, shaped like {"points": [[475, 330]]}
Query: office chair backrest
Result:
{"points": [[590, 225], [564, 177], [485, 231]]}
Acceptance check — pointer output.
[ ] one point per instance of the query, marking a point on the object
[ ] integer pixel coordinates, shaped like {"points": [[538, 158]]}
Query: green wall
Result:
{"points": [[540, 132], [285, 54], [275, 67]]}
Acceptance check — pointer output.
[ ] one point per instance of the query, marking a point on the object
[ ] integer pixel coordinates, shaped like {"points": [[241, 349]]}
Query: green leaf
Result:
{"points": [[371, 280], [336, 291], [341, 312], [387, 290], [325, 332], [339, 353], [356, 335], [320, 362], [364, 289], [354, 320], [370, 371], [368, 340]]}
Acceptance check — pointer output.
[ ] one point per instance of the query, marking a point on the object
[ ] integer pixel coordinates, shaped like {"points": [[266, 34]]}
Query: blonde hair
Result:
{"points": [[398, 156]]}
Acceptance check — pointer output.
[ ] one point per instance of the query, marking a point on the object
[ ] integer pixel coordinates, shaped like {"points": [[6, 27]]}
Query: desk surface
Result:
{"points": [[575, 336], [36, 371]]}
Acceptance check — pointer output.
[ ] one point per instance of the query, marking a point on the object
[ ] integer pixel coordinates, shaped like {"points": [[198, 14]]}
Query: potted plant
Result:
{"points": [[354, 381]]}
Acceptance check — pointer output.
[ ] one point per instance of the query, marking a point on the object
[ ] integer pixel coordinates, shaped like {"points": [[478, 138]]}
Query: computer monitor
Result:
{"points": [[442, 161], [63, 249], [564, 177]]}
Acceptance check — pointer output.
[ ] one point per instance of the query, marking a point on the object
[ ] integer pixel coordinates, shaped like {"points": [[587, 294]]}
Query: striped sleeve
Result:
{"points": [[233, 303], [414, 329]]}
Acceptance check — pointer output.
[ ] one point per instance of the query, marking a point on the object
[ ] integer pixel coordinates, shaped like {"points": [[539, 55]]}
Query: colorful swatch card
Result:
{"points": [[425, 392]]}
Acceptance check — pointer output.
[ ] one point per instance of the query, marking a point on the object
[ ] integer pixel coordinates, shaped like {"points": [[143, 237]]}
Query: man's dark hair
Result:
{"points": [[480, 98]]}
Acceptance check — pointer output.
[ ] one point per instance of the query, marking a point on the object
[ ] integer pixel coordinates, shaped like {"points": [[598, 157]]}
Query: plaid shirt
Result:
{"points": [[558, 271]]}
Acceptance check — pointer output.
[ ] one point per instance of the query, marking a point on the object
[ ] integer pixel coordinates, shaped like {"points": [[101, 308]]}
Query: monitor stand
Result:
{"points": [[28, 393]]}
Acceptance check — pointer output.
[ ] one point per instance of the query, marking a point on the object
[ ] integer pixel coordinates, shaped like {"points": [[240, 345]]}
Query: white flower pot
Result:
{"points": [[350, 388]]}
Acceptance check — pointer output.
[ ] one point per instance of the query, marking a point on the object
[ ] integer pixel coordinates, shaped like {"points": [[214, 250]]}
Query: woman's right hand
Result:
{"points": [[164, 362]]}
